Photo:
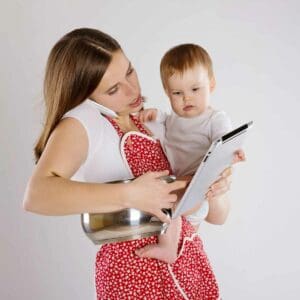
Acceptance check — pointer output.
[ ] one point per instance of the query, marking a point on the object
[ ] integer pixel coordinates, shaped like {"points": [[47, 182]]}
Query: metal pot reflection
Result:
{"points": [[124, 225]]}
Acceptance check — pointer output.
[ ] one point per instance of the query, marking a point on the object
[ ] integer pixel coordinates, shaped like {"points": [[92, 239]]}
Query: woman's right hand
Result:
{"points": [[151, 194]]}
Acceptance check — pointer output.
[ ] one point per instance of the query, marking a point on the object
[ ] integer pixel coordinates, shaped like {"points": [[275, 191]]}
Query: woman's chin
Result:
{"points": [[137, 109]]}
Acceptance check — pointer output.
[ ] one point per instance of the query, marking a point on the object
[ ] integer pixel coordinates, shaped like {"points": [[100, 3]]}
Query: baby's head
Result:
{"points": [[187, 77]]}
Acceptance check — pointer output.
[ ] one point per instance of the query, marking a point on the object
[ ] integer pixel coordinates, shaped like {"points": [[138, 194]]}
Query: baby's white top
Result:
{"points": [[188, 139]]}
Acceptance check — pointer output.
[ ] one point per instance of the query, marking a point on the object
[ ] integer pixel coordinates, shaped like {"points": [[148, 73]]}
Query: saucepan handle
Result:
{"points": [[167, 211]]}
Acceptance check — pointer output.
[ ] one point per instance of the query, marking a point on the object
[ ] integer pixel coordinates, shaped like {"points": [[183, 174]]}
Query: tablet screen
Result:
{"points": [[218, 157]]}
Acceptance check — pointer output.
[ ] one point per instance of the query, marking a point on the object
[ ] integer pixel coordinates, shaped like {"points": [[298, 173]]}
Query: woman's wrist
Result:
{"points": [[126, 195]]}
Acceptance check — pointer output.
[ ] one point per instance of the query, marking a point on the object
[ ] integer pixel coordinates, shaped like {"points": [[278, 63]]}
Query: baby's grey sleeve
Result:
{"points": [[161, 116], [220, 125]]}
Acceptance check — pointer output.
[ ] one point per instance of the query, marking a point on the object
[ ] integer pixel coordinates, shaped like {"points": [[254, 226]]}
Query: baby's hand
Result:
{"points": [[239, 155], [148, 115]]}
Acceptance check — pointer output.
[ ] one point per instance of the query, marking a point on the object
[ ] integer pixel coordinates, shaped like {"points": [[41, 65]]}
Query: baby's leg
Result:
{"points": [[166, 249]]}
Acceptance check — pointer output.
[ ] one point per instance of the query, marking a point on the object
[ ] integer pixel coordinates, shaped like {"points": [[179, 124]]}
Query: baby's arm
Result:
{"points": [[197, 214], [216, 206], [217, 197]]}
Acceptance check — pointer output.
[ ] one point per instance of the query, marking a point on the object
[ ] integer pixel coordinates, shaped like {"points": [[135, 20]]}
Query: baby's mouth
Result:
{"points": [[188, 107]]}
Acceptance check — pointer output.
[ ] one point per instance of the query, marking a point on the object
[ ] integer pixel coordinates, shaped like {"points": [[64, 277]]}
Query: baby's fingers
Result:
{"points": [[239, 155], [221, 183], [226, 173], [219, 187], [213, 194]]}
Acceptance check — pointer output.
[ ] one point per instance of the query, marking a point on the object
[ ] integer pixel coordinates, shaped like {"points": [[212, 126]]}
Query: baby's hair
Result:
{"points": [[183, 57]]}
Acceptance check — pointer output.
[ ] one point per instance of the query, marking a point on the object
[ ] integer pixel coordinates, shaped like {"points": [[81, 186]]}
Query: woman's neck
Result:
{"points": [[125, 123]]}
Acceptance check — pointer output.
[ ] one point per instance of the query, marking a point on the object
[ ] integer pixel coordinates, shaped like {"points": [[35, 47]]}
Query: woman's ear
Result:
{"points": [[212, 84]]}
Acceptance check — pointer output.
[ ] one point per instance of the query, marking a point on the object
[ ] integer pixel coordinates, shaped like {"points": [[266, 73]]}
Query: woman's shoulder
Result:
{"points": [[88, 115], [85, 111], [90, 119]]}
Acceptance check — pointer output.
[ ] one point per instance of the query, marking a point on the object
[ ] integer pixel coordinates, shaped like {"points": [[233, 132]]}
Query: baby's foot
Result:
{"points": [[158, 252]]}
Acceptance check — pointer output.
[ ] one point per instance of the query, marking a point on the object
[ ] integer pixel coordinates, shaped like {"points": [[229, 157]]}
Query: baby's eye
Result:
{"points": [[176, 93], [196, 89]]}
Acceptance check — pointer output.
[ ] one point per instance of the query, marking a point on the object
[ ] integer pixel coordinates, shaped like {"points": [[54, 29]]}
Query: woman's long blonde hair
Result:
{"points": [[75, 66]]}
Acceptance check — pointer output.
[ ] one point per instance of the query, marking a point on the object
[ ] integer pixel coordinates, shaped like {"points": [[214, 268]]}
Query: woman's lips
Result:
{"points": [[137, 102]]}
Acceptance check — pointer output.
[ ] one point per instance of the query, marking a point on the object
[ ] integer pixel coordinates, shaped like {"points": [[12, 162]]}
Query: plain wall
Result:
{"points": [[255, 49]]}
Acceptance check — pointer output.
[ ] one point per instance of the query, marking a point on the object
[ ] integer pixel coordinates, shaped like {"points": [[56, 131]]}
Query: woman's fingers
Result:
{"points": [[177, 185], [162, 216], [153, 193], [186, 178], [158, 174]]}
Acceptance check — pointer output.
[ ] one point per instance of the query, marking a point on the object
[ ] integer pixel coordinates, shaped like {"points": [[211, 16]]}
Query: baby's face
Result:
{"points": [[189, 92]]}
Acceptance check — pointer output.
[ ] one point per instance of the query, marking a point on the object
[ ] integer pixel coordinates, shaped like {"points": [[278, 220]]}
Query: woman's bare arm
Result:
{"points": [[51, 192]]}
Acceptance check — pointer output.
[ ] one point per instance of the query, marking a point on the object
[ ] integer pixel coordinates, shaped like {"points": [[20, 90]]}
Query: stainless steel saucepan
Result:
{"points": [[124, 225]]}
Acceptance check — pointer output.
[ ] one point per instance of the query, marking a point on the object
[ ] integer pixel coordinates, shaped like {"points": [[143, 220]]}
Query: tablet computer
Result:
{"points": [[218, 157]]}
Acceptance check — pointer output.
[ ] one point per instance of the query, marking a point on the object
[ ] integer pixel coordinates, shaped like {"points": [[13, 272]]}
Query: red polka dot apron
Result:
{"points": [[121, 274]]}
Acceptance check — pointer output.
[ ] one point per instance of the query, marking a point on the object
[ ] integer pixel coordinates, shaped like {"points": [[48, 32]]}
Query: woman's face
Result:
{"points": [[119, 89]]}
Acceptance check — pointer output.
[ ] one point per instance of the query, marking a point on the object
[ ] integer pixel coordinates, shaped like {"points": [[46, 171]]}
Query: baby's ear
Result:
{"points": [[212, 84], [168, 93]]}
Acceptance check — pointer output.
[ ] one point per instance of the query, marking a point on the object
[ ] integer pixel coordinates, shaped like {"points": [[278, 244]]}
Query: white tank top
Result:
{"points": [[104, 161]]}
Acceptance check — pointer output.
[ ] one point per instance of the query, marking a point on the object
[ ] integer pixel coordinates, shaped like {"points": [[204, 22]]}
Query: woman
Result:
{"points": [[90, 137]]}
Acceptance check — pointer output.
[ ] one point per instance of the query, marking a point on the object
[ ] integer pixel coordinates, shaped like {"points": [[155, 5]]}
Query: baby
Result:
{"points": [[188, 80]]}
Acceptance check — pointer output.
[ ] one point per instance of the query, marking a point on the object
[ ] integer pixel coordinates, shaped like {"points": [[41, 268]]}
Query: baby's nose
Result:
{"points": [[187, 98]]}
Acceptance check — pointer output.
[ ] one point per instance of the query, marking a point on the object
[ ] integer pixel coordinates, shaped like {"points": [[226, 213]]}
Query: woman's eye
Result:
{"points": [[176, 93], [113, 91], [130, 71]]}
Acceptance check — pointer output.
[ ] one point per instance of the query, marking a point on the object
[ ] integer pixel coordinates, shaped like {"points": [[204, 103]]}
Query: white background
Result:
{"points": [[255, 49]]}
